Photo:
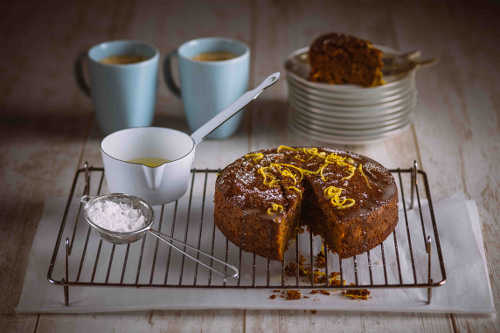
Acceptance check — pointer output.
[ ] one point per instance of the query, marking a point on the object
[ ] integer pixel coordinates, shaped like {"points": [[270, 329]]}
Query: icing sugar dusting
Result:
{"points": [[118, 217]]}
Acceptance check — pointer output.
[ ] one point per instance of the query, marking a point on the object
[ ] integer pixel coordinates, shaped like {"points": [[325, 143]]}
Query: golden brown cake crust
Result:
{"points": [[262, 198], [339, 59]]}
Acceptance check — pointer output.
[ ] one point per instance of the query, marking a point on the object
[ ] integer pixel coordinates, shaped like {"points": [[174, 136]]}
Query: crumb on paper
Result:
{"points": [[276, 290], [317, 275], [293, 295], [363, 294], [320, 291], [272, 296], [314, 311]]}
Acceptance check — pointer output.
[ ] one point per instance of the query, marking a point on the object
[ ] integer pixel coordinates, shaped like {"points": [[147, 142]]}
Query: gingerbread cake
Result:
{"points": [[338, 59], [263, 198]]}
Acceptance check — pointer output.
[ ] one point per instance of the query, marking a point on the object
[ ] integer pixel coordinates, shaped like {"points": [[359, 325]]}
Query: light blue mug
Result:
{"points": [[124, 95], [208, 87]]}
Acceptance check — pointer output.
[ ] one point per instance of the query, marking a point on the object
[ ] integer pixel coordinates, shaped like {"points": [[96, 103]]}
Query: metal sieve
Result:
{"points": [[132, 236]]}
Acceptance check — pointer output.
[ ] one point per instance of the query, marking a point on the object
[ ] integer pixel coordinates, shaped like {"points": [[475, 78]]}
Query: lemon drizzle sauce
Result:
{"points": [[152, 162]]}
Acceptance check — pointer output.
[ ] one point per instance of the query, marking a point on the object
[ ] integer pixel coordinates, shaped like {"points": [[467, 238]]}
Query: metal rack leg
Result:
{"points": [[428, 243], [413, 183], [86, 189], [66, 279]]}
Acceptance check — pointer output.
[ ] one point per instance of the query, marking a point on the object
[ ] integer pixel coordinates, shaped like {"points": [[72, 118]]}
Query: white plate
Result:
{"points": [[328, 98], [323, 130], [297, 66], [358, 128], [353, 122], [351, 114], [342, 139], [352, 95], [404, 100]]}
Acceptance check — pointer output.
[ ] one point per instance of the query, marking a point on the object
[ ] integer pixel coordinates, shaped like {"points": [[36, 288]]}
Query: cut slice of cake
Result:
{"points": [[340, 59]]}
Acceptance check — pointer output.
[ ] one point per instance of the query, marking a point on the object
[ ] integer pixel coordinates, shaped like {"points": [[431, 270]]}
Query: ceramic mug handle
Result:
{"points": [[78, 71], [167, 71]]}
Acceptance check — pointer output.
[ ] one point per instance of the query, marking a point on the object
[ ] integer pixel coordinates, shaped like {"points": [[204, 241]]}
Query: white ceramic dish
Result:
{"points": [[342, 139], [350, 121], [328, 99], [326, 123], [361, 94], [408, 99], [348, 132], [297, 66], [350, 114]]}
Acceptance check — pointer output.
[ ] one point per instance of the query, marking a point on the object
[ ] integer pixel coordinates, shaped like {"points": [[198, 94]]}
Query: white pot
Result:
{"points": [[158, 185]]}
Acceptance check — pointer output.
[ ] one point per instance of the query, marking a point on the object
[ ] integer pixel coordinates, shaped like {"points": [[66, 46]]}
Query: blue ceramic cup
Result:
{"points": [[207, 87], [123, 95]]}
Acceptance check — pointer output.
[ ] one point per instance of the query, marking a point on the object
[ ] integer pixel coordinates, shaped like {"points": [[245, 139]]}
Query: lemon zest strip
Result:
{"points": [[275, 209], [360, 168], [256, 156], [323, 178], [295, 188], [333, 193], [286, 147]]}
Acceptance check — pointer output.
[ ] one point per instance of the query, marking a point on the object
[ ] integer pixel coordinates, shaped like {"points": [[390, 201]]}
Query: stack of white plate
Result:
{"points": [[348, 114]]}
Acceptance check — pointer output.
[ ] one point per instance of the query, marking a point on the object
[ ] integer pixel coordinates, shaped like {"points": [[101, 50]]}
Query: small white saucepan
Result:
{"points": [[168, 181]]}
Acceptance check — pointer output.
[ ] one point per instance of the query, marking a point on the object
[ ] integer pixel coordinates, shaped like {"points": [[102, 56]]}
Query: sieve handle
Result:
{"points": [[170, 240]]}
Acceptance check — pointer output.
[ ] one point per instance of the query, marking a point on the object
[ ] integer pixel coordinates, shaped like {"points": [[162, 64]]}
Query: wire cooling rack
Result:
{"points": [[410, 257]]}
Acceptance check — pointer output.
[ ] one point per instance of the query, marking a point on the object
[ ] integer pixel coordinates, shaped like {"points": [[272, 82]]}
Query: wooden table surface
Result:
{"points": [[47, 126]]}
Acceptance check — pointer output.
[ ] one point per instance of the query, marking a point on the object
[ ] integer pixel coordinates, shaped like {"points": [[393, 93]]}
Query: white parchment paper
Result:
{"points": [[467, 289]]}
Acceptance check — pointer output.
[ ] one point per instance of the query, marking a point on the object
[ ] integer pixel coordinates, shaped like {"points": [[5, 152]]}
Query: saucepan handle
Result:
{"points": [[233, 109]]}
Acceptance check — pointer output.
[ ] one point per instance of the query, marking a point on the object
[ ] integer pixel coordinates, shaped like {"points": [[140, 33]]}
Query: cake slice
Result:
{"points": [[340, 59]]}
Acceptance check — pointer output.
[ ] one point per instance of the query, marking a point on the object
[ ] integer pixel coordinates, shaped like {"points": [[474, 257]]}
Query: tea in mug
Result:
{"points": [[214, 56], [122, 59]]}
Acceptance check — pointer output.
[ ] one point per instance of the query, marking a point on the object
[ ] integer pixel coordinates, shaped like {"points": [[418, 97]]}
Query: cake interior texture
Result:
{"points": [[343, 59], [263, 199]]}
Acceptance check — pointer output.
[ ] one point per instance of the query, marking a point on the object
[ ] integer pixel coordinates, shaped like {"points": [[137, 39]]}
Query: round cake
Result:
{"points": [[264, 197]]}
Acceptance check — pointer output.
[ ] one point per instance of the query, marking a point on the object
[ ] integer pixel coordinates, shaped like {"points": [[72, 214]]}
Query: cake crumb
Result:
{"points": [[320, 260], [272, 296], [314, 311], [324, 292], [363, 294], [293, 295], [291, 268], [276, 290]]}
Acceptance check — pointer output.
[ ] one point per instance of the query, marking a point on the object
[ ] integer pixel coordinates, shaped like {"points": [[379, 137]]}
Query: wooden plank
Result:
{"points": [[325, 321], [458, 128], [153, 321], [18, 323], [42, 131], [282, 28]]}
